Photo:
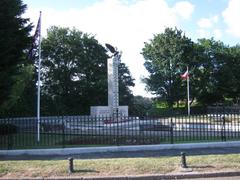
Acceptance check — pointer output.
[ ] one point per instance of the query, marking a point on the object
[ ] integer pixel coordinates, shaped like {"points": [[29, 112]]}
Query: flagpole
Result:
{"points": [[188, 94], [39, 87]]}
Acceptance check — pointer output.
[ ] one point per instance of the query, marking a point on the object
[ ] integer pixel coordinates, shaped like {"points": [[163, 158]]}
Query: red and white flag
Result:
{"points": [[185, 75]]}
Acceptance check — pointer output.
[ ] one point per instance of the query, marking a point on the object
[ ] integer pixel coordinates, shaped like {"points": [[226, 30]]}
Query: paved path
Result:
{"points": [[159, 153], [217, 178]]}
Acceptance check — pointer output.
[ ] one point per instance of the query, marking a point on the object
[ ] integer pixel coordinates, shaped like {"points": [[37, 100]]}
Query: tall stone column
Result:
{"points": [[113, 83], [113, 109]]}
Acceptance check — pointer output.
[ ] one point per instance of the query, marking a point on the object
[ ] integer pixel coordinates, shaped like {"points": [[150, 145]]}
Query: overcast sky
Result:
{"points": [[127, 24]]}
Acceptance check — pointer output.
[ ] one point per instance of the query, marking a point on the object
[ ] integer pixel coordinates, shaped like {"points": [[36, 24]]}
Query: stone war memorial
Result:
{"points": [[113, 109]]}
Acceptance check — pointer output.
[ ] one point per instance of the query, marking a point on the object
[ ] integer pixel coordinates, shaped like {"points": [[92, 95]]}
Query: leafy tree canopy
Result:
{"points": [[14, 71], [166, 56], [75, 72], [213, 68]]}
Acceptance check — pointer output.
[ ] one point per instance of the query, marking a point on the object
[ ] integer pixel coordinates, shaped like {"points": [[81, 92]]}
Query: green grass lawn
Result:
{"points": [[118, 166]]}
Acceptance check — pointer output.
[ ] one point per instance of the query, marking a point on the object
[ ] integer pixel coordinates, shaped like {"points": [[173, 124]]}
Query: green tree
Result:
{"points": [[229, 74], [166, 56], [14, 70], [212, 58], [141, 106], [75, 72], [125, 81]]}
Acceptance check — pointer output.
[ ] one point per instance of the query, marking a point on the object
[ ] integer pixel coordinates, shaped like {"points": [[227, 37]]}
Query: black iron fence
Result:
{"points": [[83, 131]]}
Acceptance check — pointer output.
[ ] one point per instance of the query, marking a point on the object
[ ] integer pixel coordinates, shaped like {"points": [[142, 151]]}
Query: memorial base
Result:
{"points": [[105, 111]]}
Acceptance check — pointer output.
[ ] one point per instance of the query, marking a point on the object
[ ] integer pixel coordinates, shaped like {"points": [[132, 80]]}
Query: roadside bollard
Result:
{"points": [[183, 160], [70, 165]]}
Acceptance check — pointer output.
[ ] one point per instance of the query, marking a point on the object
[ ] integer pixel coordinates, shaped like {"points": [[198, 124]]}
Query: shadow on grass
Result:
{"points": [[85, 171], [201, 167]]}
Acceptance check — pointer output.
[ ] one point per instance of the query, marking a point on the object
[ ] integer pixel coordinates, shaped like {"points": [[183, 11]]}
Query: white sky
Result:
{"points": [[127, 24]]}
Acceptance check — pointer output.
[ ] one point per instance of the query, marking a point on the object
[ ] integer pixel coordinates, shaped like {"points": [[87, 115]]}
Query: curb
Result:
{"points": [[141, 177], [72, 151]]}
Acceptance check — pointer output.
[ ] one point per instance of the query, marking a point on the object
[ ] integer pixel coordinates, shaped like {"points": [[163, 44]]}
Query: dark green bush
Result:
{"points": [[6, 129]]}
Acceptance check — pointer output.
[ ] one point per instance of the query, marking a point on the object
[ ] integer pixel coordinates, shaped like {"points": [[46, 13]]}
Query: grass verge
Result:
{"points": [[117, 166]]}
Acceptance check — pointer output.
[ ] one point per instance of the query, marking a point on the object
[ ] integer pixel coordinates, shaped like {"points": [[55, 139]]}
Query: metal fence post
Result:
{"points": [[171, 138], [63, 133], [223, 130], [9, 138], [10, 141], [117, 127]]}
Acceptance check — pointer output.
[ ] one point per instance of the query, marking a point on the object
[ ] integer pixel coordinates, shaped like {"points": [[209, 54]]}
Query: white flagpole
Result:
{"points": [[38, 90], [188, 94]]}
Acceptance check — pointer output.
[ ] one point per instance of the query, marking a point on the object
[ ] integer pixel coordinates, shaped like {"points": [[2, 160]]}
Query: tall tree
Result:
{"points": [[125, 81], [212, 56], [75, 72], [141, 106], [229, 75], [166, 56], [14, 71]]}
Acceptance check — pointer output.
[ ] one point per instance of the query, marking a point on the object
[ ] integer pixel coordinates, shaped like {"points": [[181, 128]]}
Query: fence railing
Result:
{"points": [[82, 131]]}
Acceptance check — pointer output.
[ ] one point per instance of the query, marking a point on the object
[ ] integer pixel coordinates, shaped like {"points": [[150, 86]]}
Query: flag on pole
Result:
{"points": [[37, 38], [185, 75], [35, 41], [36, 46]]}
